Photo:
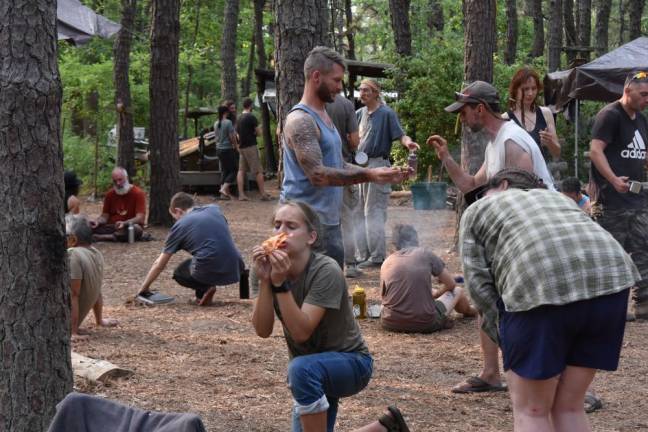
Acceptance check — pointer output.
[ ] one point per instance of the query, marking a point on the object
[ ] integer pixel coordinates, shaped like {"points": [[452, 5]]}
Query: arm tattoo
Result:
{"points": [[302, 136]]}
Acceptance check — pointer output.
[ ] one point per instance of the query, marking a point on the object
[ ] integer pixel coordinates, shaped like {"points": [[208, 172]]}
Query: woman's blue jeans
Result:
{"points": [[318, 381]]}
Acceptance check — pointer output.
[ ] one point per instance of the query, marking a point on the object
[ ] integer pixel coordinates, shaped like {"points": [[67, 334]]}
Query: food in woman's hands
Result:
{"points": [[274, 243]]}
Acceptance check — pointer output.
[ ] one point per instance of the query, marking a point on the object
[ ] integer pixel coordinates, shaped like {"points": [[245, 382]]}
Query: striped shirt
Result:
{"points": [[533, 248]]}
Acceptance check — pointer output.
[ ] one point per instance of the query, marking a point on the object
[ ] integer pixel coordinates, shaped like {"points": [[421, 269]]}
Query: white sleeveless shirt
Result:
{"points": [[495, 157]]}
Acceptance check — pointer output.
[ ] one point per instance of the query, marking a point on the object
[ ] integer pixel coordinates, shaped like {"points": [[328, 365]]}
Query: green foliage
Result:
{"points": [[79, 156]]}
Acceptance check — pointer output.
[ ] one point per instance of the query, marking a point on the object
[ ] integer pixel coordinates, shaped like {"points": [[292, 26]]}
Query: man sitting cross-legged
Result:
{"points": [[409, 302], [203, 232], [86, 274]]}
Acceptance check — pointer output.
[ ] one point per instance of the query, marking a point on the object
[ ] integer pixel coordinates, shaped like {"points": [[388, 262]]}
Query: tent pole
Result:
{"points": [[577, 114]]}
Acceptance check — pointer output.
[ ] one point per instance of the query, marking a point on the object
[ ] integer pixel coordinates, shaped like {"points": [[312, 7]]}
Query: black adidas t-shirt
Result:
{"points": [[625, 151]]}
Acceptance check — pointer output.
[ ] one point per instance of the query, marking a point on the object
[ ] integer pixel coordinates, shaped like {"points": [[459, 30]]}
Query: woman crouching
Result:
{"points": [[328, 356]]}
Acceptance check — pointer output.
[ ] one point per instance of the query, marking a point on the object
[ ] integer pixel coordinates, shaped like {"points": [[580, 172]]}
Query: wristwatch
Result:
{"points": [[283, 288]]}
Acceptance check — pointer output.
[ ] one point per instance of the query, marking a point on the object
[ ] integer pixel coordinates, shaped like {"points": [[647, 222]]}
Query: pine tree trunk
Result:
{"points": [[163, 95], [511, 32], [537, 49], [35, 367], [435, 21], [622, 21], [301, 25], [349, 33], [571, 39], [122, 48], [185, 119], [247, 82], [635, 11], [584, 21], [555, 35], [400, 22], [603, 8], [228, 51], [268, 142], [258, 33]]}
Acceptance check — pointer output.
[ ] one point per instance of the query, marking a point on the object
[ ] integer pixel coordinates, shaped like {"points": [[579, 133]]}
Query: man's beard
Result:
{"points": [[124, 189], [325, 94]]}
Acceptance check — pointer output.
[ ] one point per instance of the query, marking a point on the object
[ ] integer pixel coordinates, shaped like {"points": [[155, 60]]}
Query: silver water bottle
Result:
{"points": [[131, 233]]}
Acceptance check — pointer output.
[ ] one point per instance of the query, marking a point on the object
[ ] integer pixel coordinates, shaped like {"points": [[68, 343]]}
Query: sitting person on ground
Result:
{"points": [[571, 187], [552, 287], [329, 358], [86, 275], [72, 184], [123, 206], [248, 129], [203, 232], [409, 302]]}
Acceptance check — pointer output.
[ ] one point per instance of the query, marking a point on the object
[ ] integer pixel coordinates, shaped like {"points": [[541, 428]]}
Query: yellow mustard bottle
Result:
{"points": [[359, 298]]}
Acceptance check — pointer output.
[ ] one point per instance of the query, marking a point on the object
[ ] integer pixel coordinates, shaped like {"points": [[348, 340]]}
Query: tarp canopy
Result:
{"points": [[77, 23], [599, 80]]}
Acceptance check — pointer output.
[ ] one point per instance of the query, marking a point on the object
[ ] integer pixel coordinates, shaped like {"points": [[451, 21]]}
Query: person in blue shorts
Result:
{"points": [[552, 287]]}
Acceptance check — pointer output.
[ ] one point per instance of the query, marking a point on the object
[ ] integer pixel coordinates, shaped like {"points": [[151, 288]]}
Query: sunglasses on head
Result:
{"points": [[466, 98], [640, 76]]}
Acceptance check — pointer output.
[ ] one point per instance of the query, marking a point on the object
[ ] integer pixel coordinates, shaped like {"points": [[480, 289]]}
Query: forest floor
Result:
{"points": [[209, 361]]}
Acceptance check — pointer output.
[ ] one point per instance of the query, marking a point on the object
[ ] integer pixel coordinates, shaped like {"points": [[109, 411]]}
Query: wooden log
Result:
{"points": [[96, 370]]}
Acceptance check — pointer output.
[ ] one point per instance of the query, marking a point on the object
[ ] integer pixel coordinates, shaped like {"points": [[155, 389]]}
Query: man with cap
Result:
{"points": [[379, 128], [509, 146]]}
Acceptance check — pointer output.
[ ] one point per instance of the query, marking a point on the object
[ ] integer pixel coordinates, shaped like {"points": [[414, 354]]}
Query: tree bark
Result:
{"points": [[571, 39], [301, 25], [228, 51], [268, 142], [555, 35], [635, 11], [349, 33], [584, 21], [537, 49], [603, 8], [622, 21], [122, 48], [35, 367], [511, 32], [185, 119], [435, 21], [163, 95], [399, 13], [247, 81]]}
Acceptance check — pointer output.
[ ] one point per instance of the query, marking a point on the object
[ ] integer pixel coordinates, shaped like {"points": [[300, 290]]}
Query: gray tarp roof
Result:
{"points": [[77, 23], [599, 80]]}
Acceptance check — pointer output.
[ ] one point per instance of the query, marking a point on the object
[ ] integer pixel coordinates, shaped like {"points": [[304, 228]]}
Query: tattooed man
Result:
{"points": [[314, 169]]}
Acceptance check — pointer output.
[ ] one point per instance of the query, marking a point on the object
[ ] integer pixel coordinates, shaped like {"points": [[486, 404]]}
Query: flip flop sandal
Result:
{"points": [[592, 403], [395, 422], [474, 384]]}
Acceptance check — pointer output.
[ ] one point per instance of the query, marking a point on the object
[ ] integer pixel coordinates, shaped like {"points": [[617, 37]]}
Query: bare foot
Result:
{"points": [[206, 299]]}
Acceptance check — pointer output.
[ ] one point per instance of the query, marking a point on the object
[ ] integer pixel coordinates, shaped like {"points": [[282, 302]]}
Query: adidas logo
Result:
{"points": [[636, 149]]}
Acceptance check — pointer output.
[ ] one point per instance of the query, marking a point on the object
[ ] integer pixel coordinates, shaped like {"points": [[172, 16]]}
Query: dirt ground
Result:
{"points": [[210, 362]]}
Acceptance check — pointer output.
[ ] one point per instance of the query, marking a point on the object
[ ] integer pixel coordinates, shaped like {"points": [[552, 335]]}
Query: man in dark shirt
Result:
{"points": [[203, 232], [618, 154], [247, 128]]}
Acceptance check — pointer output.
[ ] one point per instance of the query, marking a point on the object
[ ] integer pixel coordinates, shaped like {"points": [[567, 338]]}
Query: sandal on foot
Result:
{"points": [[474, 384], [266, 198], [394, 422], [592, 403]]}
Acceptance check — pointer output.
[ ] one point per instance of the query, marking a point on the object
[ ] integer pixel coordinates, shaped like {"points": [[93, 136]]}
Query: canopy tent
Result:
{"points": [[77, 23], [601, 80]]}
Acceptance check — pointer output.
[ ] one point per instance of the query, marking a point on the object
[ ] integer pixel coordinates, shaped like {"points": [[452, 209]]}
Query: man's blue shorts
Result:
{"points": [[539, 343]]}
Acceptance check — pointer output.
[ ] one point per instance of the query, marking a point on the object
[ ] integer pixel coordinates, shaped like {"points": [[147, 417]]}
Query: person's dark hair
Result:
{"points": [[181, 200], [404, 236], [571, 185], [78, 226], [72, 184], [247, 103], [222, 111], [517, 178], [310, 218], [322, 58], [519, 78]]}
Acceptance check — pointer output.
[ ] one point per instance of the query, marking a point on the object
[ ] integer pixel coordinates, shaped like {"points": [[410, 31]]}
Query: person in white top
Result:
{"points": [[510, 146]]}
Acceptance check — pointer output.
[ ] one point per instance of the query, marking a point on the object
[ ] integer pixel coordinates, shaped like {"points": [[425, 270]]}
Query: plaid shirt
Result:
{"points": [[532, 248]]}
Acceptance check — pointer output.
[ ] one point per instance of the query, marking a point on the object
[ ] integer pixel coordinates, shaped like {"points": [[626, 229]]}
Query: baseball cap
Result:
{"points": [[476, 92]]}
